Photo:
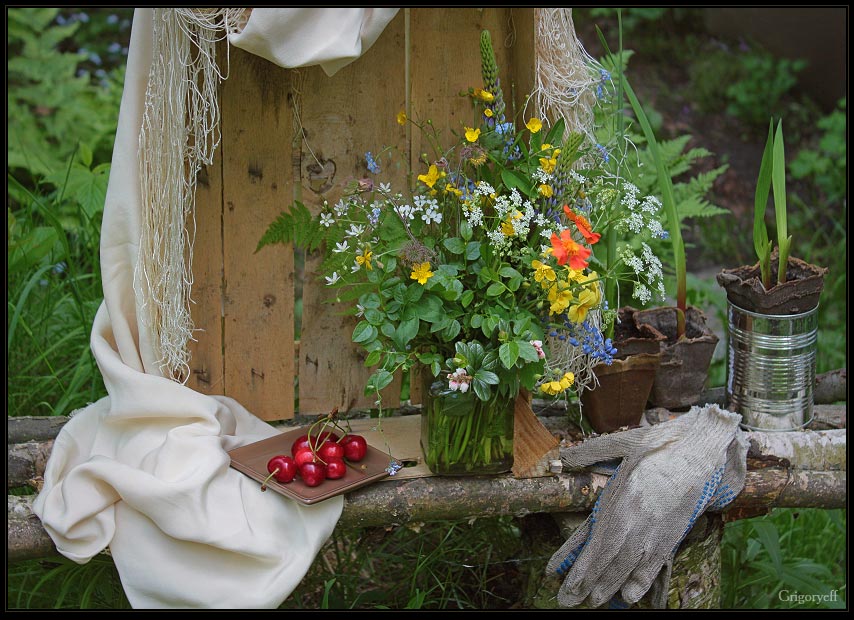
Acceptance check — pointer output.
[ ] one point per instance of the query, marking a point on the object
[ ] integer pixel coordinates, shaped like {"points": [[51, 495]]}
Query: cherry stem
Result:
{"points": [[267, 479]]}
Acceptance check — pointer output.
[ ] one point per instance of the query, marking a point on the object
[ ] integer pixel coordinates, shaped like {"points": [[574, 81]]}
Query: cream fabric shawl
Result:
{"points": [[144, 471]]}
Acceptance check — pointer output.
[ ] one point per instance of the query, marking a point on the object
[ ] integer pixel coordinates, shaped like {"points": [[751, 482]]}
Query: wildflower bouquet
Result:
{"points": [[483, 272]]}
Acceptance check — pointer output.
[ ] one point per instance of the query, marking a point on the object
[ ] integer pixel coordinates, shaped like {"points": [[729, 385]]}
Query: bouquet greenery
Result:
{"points": [[484, 269]]}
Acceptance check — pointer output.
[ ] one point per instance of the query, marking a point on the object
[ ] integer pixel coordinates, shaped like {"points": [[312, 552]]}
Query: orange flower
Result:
{"points": [[566, 249], [583, 225]]}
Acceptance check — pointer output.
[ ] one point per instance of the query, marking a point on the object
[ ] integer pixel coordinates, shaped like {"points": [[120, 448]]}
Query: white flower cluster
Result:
{"points": [[640, 214], [649, 276], [430, 206]]}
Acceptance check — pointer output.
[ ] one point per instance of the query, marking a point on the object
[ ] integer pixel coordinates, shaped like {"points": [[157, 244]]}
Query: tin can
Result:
{"points": [[771, 368]]}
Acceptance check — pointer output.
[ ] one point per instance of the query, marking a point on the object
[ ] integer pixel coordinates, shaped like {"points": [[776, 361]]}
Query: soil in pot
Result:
{"points": [[798, 294], [685, 363]]}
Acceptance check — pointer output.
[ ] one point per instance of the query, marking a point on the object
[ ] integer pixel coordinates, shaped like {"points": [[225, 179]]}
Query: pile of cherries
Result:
{"points": [[317, 456]]}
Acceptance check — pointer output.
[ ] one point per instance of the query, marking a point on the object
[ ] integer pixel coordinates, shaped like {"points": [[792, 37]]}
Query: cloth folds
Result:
{"points": [[145, 470], [299, 37]]}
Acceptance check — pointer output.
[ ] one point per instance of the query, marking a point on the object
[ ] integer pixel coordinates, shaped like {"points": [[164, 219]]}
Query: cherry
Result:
{"points": [[305, 455], [355, 447], [300, 443], [331, 450], [335, 468], [282, 468], [312, 473]]}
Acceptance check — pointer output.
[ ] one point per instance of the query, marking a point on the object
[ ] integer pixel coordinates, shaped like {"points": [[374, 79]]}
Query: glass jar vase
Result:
{"points": [[462, 435]]}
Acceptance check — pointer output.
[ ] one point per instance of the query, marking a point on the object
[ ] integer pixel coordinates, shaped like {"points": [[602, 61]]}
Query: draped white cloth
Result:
{"points": [[144, 471]]}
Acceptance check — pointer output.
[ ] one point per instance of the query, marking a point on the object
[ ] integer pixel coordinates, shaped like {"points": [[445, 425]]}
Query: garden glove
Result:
{"points": [[668, 475]]}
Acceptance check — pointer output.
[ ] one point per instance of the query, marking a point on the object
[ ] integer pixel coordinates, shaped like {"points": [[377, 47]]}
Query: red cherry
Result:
{"points": [[303, 456], [312, 473], [355, 447], [299, 443], [282, 467], [335, 468], [331, 450]]}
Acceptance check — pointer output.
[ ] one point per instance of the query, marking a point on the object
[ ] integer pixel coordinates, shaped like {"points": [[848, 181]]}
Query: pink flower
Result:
{"points": [[538, 345]]}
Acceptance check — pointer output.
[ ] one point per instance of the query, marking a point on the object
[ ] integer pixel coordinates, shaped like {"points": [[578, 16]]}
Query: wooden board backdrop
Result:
{"points": [[299, 134]]}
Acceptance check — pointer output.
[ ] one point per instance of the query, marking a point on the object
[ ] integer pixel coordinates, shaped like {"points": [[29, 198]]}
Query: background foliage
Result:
{"points": [[65, 73]]}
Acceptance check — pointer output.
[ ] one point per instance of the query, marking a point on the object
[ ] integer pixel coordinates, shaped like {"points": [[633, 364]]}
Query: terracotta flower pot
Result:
{"points": [[685, 363], [620, 398]]}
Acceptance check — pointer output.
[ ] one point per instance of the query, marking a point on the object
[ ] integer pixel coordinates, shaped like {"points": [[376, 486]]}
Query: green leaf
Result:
{"points": [[761, 242], [466, 299], [527, 351], [413, 293], [778, 182], [495, 289], [514, 180], [377, 381], [373, 358], [455, 245], [514, 283], [466, 231], [406, 331], [555, 134], [508, 353], [364, 332], [509, 272], [374, 316], [370, 300], [430, 309], [487, 376], [451, 330], [473, 250], [481, 389], [476, 319]]}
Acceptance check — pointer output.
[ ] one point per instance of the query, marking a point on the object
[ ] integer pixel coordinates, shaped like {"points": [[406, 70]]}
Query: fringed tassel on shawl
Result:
{"points": [[179, 134]]}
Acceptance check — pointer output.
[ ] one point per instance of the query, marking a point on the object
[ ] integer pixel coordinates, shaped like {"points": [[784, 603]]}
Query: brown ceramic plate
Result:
{"points": [[252, 461]]}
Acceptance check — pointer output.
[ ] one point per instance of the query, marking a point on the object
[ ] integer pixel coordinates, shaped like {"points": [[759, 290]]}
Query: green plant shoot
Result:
{"points": [[778, 182], [761, 242], [772, 173]]}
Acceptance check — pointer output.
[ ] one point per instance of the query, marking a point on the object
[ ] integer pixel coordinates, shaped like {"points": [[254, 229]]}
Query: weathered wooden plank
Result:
{"points": [[206, 357], [259, 288], [342, 117]]}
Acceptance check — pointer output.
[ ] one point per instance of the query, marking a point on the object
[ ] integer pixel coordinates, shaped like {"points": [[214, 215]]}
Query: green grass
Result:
{"points": [[769, 560]]}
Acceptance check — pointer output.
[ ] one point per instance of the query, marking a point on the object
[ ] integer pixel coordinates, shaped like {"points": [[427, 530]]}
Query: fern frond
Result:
{"points": [[297, 226]]}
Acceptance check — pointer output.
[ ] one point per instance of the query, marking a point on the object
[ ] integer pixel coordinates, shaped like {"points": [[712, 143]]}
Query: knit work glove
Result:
{"points": [[667, 476]]}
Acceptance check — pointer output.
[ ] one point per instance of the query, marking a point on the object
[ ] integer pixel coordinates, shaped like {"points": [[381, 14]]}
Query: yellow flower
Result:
{"points": [[548, 164], [567, 380], [401, 118], [431, 177], [553, 388], [488, 112], [421, 272], [478, 159], [588, 299], [364, 260], [534, 125], [484, 95], [575, 275], [543, 272], [560, 297], [450, 189], [472, 134], [507, 225], [546, 190]]}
